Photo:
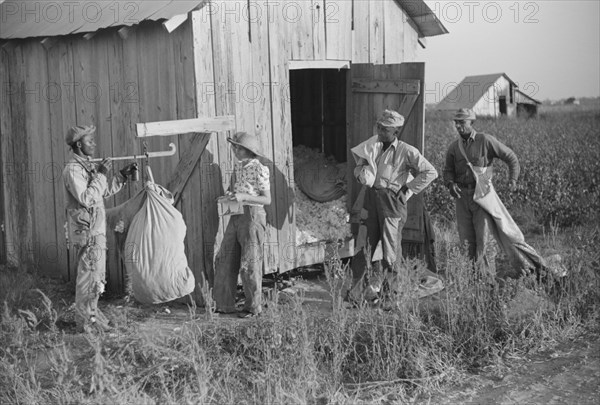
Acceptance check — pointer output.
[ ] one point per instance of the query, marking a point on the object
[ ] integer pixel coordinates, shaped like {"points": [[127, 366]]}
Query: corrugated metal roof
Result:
{"points": [[470, 91], [27, 18], [428, 23]]}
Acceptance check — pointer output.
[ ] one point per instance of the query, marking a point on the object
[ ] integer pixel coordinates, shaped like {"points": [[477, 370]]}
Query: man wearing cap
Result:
{"points": [[241, 250], [475, 224], [86, 186], [383, 165]]}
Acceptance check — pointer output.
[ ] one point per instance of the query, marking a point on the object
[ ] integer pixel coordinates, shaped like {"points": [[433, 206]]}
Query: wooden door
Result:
{"points": [[399, 87]]}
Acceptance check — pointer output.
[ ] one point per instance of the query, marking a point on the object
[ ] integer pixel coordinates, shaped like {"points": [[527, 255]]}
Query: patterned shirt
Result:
{"points": [[481, 149], [251, 177]]}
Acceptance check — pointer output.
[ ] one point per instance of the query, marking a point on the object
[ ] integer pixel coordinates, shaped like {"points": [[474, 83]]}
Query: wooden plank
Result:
{"points": [[19, 225], [411, 39], [338, 29], [62, 116], [319, 64], [5, 148], [283, 167], [376, 32], [297, 21], [393, 41], [259, 54], [122, 76], [193, 125], [198, 202], [386, 86], [361, 33], [360, 123], [37, 123], [318, 24], [216, 164], [65, 117], [187, 164]]}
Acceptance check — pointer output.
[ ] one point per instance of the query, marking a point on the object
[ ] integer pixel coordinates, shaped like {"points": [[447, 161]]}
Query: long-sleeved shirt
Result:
{"points": [[85, 191], [394, 165], [481, 149]]}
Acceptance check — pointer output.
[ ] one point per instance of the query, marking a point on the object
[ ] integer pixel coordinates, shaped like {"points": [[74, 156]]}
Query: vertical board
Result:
{"points": [[157, 91], [19, 225], [338, 29], [62, 117], [225, 98], [394, 32], [411, 39], [318, 24], [122, 105], [263, 119], [5, 149], [37, 128], [297, 22], [376, 32], [283, 172], [360, 122], [207, 177], [362, 30]]}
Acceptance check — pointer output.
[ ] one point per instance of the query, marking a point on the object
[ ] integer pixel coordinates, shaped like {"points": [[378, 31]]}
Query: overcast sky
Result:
{"points": [[550, 48]]}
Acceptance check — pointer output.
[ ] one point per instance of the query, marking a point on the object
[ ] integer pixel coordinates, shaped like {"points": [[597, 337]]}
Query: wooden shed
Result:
{"points": [[230, 65], [492, 95]]}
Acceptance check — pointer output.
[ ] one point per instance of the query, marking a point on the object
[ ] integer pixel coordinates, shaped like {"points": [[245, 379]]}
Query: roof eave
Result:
{"points": [[428, 24]]}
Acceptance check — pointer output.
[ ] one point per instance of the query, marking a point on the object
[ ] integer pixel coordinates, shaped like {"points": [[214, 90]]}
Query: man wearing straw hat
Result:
{"points": [[383, 167], [86, 187], [240, 251]]}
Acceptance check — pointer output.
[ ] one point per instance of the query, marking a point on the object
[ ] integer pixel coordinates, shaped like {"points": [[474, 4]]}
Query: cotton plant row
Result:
{"points": [[317, 221]]}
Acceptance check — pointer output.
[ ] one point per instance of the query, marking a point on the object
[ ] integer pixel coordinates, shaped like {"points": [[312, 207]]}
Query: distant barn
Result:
{"points": [[492, 95]]}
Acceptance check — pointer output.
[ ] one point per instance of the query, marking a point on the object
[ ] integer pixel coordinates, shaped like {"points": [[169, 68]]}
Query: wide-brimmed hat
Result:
{"points": [[390, 118], [247, 141], [76, 133], [464, 114]]}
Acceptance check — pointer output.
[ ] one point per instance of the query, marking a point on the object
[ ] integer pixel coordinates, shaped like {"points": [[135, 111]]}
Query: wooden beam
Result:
{"points": [[178, 127], [186, 165], [406, 86], [319, 64], [174, 22]]}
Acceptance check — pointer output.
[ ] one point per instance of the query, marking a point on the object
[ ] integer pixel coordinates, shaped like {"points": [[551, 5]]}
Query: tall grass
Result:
{"points": [[293, 355]]}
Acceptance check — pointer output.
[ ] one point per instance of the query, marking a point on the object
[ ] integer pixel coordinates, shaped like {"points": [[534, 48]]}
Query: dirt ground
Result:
{"points": [[566, 374]]}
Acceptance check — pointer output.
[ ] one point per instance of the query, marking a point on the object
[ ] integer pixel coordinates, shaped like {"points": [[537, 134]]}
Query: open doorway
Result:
{"points": [[502, 103], [318, 107]]}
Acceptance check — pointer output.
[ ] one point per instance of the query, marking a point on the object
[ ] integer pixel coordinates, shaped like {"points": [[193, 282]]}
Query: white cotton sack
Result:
{"points": [[157, 263]]}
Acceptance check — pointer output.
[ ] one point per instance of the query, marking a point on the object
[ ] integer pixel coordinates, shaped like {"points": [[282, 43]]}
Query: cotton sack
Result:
{"points": [[156, 261]]}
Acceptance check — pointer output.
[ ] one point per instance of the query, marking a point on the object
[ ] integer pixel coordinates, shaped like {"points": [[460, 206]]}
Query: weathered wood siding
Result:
{"points": [[250, 81], [106, 81]]}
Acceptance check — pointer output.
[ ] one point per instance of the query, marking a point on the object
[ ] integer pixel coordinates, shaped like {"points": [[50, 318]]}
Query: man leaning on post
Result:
{"points": [[86, 186], [383, 166]]}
